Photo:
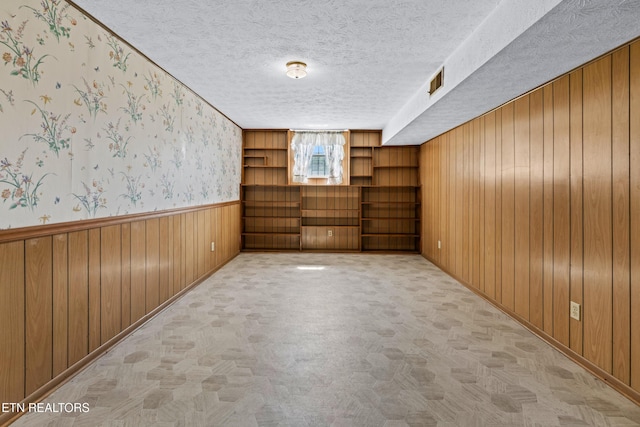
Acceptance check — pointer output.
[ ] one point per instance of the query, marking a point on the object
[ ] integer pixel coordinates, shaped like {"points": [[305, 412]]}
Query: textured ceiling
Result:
{"points": [[369, 60], [559, 39], [366, 58]]}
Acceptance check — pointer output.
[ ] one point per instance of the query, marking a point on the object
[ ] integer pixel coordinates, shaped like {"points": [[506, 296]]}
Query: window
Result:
{"points": [[318, 155], [319, 167]]}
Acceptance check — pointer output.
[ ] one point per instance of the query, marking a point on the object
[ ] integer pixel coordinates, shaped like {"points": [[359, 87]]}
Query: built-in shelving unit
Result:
{"points": [[390, 219], [378, 211], [395, 166], [265, 157], [361, 153], [270, 217], [330, 218]]}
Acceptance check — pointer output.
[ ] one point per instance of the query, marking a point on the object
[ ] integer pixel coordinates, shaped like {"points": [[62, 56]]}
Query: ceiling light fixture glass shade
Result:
{"points": [[296, 69]]}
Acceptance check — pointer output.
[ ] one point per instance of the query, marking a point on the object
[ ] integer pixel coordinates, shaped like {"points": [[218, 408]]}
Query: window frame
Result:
{"points": [[320, 181]]}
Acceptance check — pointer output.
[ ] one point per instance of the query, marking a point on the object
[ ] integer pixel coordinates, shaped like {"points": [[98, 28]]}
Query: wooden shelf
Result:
{"points": [[379, 211], [270, 203], [269, 234], [265, 157], [390, 235], [330, 226], [360, 181], [390, 186], [361, 154], [271, 217], [330, 209], [395, 167], [388, 202], [365, 139], [329, 212], [373, 218], [390, 217]]}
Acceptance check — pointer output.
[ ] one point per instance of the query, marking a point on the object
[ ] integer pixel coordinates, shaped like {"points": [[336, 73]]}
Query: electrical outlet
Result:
{"points": [[575, 310], [439, 244], [213, 246], [330, 233]]}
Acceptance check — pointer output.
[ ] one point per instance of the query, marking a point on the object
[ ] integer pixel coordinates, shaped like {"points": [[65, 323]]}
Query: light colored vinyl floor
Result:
{"points": [[367, 340]]}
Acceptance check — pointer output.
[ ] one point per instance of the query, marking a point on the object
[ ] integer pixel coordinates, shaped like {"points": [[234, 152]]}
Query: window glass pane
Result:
{"points": [[318, 162]]}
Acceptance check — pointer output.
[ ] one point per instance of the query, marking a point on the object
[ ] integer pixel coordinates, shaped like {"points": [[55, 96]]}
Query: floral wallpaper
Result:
{"points": [[89, 128]]}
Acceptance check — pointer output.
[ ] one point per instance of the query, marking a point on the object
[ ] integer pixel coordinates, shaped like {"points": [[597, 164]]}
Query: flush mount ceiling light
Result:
{"points": [[296, 69]]}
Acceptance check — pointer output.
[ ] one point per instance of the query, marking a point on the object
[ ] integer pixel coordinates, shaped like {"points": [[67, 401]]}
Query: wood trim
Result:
{"points": [[23, 233]]}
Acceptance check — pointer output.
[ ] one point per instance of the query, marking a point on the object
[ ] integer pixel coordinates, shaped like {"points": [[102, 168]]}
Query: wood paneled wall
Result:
{"points": [[537, 204], [64, 296]]}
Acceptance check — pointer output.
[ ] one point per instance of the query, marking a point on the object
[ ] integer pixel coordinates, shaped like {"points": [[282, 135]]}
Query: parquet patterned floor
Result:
{"points": [[368, 340]]}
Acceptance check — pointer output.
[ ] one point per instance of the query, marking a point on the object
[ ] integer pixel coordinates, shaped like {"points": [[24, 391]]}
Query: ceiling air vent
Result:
{"points": [[436, 82]]}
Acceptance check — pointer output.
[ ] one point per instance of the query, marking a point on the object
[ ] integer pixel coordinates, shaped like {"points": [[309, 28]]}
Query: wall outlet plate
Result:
{"points": [[575, 310], [439, 244], [213, 246], [330, 233]]}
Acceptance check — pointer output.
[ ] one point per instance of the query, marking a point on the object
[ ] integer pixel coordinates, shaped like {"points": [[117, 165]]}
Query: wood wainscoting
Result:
{"points": [[70, 291], [537, 204]]}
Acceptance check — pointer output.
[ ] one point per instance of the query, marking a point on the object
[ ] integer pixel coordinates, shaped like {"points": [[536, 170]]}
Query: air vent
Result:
{"points": [[436, 82]]}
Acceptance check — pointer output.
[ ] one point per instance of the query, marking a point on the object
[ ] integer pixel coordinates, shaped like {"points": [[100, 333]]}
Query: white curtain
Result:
{"points": [[303, 144], [335, 154]]}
